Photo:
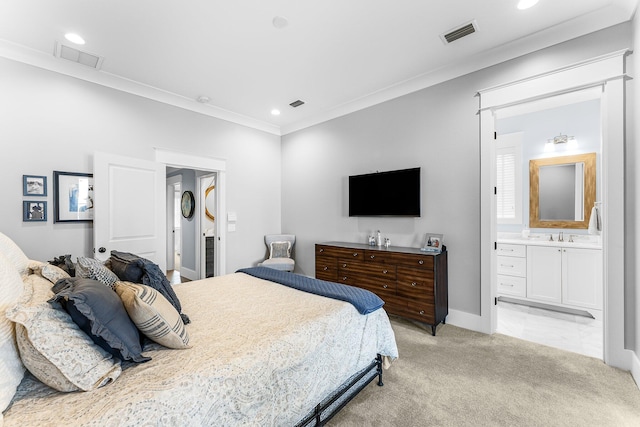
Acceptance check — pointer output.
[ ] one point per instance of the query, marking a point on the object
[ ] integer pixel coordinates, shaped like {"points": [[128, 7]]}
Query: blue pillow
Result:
{"points": [[99, 312]]}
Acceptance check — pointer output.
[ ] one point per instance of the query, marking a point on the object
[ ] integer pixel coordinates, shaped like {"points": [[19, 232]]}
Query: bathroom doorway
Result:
{"points": [[568, 127]]}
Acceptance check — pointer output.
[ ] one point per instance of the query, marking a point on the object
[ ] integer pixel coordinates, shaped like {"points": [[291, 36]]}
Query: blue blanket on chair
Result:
{"points": [[364, 301]]}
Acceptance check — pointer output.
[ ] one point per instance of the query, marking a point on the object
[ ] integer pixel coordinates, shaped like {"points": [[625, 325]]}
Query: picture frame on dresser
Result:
{"points": [[433, 242], [72, 196]]}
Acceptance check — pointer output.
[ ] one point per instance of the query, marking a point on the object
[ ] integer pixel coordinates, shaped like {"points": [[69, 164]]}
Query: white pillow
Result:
{"points": [[14, 254], [53, 347], [11, 368]]}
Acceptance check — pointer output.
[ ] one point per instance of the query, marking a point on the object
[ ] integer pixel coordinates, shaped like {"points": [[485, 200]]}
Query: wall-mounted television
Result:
{"points": [[392, 193]]}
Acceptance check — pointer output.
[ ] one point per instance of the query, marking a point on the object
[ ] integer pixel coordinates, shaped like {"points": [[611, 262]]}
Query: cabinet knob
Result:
{"points": [[421, 312], [344, 279], [421, 262], [325, 268], [385, 271], [344, 265], [372, 256], [355, 254], [385, 286], [321, 250], [413, 284]]}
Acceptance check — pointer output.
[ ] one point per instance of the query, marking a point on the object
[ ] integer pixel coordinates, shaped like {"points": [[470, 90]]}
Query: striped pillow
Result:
{"points": [[153, 314]]}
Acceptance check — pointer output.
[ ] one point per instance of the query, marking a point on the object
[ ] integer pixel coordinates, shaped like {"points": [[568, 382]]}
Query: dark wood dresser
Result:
{"points": [[412, 283]]}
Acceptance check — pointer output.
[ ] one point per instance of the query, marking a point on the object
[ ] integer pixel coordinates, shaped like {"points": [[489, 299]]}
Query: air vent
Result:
{"points": [[297, 103], [460, 32], [74, 55]]}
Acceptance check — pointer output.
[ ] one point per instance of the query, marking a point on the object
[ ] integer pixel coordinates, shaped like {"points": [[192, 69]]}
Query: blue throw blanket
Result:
{"points": [[364, 301]]}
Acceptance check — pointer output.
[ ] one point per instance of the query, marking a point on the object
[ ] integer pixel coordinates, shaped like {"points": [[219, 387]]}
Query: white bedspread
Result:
{"points": [[263, 354]]}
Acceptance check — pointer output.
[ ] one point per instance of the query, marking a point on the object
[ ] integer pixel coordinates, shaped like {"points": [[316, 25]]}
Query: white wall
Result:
{"points": [[437, 129], [53, 122]]}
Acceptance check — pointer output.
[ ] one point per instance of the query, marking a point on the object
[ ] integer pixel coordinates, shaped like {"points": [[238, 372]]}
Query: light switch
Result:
{"points": [[232, 216], [231, 227]]}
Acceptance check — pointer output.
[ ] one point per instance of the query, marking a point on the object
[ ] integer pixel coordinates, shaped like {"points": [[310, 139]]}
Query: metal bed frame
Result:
{"points": [[333, 403]]}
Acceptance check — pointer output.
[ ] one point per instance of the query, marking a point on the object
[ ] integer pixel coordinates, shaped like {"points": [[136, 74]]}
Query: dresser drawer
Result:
{"points": [[414, 260], [512, 266], [505, 249], [415, 283], [378, 256], [326, 268], [422, 311], [332, 251], [348, 266], [385, 290], [512, 285]]}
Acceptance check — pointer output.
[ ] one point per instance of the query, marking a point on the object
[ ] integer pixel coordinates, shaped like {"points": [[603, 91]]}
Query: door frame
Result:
{"points": [[171, 237], [199, 162], [608, 73]]}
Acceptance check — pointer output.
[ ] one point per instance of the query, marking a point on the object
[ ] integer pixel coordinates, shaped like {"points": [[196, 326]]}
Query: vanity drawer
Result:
{"points": [[512, 266], [505, 249], [512, 285]]}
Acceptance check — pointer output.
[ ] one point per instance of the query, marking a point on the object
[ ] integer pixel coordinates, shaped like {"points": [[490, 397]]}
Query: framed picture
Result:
{"points": [[433, 242], [33, 185], [72, 196], [34, 210]]}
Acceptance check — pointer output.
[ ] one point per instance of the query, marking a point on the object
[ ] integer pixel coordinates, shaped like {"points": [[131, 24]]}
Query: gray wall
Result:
{"points": [[54, 122], [632, 214], [437, 129]]}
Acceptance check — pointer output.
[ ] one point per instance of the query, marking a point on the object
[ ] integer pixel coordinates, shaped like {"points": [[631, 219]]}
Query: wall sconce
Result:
{"points": [[552, 144], [561, 139]]}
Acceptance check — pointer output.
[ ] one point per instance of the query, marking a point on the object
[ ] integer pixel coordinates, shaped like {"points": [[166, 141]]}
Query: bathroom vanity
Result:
{"points": [[565, 274]]}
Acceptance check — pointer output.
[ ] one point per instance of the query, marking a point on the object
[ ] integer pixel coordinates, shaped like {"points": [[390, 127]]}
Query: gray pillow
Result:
{"points": [[280, 250], [99, 312]]}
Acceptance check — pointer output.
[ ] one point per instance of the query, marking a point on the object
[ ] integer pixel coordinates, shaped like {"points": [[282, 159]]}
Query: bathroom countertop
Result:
{"points": [[542, 239]]}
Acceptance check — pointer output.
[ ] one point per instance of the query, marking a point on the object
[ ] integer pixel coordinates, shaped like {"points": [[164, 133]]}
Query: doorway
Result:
{"points": [[606, 73]]}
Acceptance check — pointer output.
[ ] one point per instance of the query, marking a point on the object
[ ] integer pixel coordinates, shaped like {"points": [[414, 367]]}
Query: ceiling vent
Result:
{"points": [[74, 55], [297, 103], [459, 32]]}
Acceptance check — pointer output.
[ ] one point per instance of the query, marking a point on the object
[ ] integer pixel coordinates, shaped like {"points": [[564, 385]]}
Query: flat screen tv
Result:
{"points": [[392, 193]]}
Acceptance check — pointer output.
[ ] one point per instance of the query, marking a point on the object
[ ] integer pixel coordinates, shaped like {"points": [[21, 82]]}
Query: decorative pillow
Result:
{"points": [[48, 271], [11, 368], [127, 266], [98, 311], [52, 346], [280, 250], [14, 254], [90, 268], [154, 316]]}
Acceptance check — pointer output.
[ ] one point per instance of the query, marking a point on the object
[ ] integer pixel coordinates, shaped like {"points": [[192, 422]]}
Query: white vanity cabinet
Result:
{"points": [[512, 270], [565, 275]]}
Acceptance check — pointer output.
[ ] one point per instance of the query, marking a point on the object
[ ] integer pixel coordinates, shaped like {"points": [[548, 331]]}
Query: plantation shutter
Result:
{"points": [[509, 178]]}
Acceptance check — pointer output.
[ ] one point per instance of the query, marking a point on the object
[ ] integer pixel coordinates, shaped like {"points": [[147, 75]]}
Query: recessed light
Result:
{"points": [[203, 99], [74, 38], [526, 4], [275, 112], [280, 22]]}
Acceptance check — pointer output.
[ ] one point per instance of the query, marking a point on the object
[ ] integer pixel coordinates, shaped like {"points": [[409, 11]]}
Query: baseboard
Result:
{"points": [[188, 273], [465, 320], [635, 368]]}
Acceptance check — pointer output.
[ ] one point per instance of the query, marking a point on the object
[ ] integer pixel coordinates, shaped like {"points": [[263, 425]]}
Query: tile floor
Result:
{"points": [[565, 331]]}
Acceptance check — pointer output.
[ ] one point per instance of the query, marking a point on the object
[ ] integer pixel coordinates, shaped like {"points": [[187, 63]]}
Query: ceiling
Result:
{"points": [[338, 56]]}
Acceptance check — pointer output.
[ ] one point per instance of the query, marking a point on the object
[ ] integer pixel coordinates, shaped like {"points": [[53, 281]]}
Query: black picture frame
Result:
{"points": [[34, 211], [73, 196], [34, 185], [187, 204]]}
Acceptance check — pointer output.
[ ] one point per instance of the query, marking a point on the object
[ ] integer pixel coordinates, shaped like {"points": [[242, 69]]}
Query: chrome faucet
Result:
{"points": [[561, 236], [551, 237]]}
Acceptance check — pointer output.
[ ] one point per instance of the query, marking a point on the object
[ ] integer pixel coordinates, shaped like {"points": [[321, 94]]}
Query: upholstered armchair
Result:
{"points": [[280, 247]]}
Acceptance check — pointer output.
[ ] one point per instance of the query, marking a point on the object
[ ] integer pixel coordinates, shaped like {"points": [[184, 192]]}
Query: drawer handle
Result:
{"points": [[421, 312], [372, 256], [326, 268], [506, 284], [385, 286], [355, 254], [421, 262], [413, 284], [321, 250], [506, 250], [506, 265], [344, 279], [344, 265], [385, 271]]}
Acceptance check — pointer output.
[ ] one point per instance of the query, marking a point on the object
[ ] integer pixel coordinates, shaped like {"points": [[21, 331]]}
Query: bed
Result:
{"points": [[260, 353]]}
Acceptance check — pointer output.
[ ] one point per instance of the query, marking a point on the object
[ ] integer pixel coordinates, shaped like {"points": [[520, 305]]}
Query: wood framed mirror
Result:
{"points": [[562, 191], [209, 202]]}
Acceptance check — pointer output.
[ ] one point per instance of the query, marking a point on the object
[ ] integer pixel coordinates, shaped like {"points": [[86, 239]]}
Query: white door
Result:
{"points": [[130, 211], [582, 277]]}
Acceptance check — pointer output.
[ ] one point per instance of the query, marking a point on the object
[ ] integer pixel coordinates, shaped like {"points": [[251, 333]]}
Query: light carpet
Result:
{"points": [[465, 378]]}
